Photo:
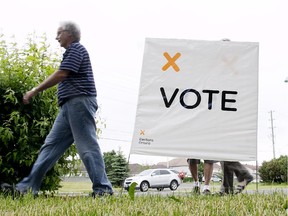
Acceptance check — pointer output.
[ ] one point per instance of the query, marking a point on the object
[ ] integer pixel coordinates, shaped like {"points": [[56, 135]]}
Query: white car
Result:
{"points": [[154, 178]]}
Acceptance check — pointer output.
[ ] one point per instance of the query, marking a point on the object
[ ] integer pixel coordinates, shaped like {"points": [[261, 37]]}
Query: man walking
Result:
{"points": [[75, 123]]}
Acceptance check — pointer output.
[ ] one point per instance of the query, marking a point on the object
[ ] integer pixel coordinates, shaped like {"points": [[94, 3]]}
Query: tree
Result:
{"points": [[23, 128], [116, 167], [274, 170]]}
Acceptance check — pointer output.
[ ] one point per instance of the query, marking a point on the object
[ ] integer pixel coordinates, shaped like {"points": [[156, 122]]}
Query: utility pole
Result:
{"points": [[272, 129]]}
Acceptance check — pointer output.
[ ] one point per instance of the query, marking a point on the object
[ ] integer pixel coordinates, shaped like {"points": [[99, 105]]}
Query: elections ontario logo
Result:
{"points": [[144, 141]]}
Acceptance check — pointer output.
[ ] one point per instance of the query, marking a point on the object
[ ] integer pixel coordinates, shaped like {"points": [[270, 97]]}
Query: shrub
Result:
{"points": [[274, 170]]}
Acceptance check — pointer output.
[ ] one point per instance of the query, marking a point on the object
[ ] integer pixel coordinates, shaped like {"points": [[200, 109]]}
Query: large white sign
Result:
{"points": [[198, 99]]}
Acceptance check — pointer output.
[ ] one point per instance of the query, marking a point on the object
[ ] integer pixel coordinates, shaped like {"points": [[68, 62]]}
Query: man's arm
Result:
{"points": [[55, 78]]}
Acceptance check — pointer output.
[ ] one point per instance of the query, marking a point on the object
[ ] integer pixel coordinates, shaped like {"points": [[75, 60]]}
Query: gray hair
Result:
{"points": [[72, 28]]}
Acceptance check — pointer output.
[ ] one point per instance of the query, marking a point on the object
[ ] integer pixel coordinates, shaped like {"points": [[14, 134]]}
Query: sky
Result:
{"points": [[114, 33]]}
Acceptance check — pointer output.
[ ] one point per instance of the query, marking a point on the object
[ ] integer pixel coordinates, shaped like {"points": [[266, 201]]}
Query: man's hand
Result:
{"points": [[28, 95]]}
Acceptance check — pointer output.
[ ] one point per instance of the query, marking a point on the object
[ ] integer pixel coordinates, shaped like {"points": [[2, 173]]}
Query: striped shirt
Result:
{"points": [[80, 80]]}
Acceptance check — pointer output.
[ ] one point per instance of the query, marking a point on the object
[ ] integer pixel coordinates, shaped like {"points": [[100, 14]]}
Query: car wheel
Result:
{"points": [[144, 186], [173, 185], [160, 189]]}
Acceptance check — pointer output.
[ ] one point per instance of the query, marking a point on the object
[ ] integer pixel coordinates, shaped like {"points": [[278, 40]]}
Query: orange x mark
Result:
{"points": [[142, 132], [171, 61]]}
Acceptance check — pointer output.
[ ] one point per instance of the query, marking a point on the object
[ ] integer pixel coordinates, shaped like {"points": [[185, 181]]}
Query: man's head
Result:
{"points": [[67, 33]]}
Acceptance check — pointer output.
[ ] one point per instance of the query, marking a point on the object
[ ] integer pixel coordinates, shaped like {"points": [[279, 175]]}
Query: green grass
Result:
{"points": [[175, 204], [243, 204]]}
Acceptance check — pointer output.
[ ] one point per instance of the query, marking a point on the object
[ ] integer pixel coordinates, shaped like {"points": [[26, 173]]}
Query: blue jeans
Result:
{"points": [[75, 123]]}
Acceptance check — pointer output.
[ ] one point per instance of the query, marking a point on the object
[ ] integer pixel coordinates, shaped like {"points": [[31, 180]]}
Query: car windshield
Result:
{"points": [[144, 173]]}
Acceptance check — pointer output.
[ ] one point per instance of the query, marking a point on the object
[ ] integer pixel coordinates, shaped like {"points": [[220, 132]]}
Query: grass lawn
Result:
{"points": [[185, 203], [123, 204]]}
